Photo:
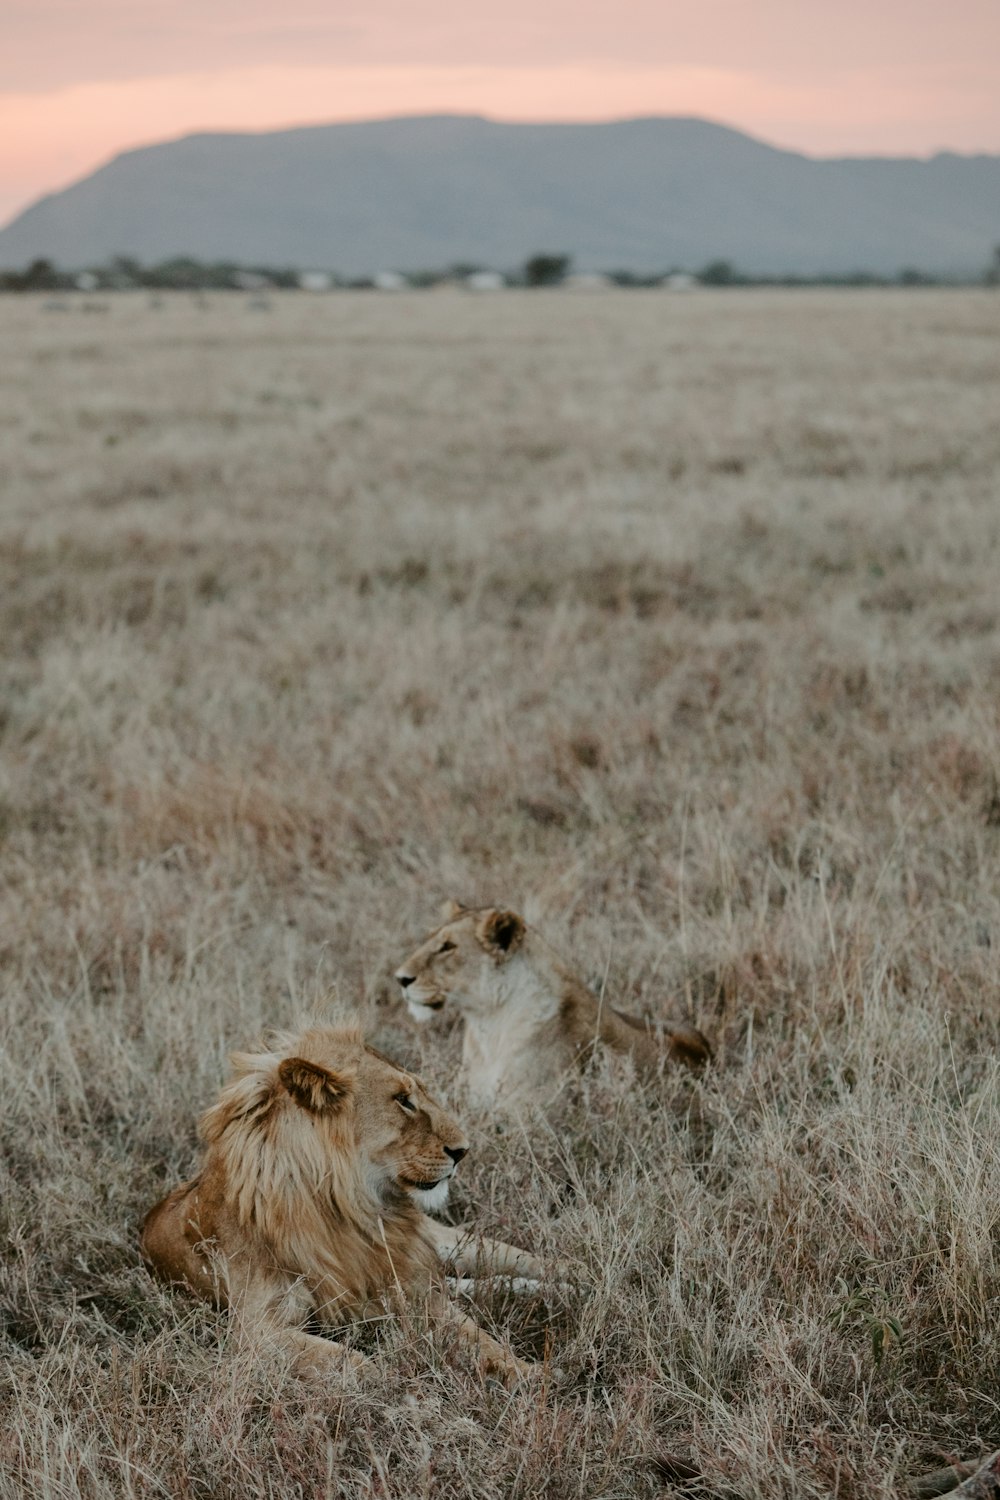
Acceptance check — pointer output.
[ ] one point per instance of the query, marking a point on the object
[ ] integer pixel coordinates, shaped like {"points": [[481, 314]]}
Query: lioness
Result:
{"points": [[527, 1016], [321, 1158]]}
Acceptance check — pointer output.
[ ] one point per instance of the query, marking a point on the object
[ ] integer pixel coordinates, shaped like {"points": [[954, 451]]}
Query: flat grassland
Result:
{"points": [[673, 622]]}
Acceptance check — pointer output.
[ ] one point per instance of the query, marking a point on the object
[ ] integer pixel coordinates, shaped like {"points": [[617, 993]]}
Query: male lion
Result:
{"points": [[527, 1016], [308, 1208]]}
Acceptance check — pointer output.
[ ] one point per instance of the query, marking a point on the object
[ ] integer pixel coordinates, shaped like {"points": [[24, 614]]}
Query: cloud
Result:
{"points": [[50, 44]]}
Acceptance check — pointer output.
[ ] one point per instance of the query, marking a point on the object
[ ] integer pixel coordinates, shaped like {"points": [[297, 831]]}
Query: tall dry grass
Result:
{"points": [[672, 621]]}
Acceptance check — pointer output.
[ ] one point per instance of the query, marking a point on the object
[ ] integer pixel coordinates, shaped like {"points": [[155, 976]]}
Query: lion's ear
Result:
{"points": [[501, 932], [451, 910], [313, 1087]]}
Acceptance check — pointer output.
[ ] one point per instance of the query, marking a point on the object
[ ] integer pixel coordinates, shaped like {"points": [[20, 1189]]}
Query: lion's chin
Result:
{"points": [[423, 1011], [431, 1200]]}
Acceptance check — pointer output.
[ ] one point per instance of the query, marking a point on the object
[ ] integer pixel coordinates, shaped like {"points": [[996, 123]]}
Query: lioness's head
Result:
{"points": [[329, 1103], [459, 958]]}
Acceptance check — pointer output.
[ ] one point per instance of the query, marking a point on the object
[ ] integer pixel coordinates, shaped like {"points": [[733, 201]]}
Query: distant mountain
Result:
{"points": [[425, 192]]}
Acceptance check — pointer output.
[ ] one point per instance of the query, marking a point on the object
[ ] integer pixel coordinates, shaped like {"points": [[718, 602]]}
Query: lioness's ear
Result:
{"points": [[451, 910], [501, 932], [313, 1087]]}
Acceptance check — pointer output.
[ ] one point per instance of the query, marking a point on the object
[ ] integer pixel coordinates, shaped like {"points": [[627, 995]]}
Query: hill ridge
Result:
{"points": [[416, 191]]}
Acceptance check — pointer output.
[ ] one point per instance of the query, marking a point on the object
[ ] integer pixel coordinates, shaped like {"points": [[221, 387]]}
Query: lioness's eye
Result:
{"points": [[447, 948], [405, 1102]]}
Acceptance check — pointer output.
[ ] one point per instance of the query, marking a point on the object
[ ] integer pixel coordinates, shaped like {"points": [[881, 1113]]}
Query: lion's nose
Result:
{"points": [[456, 1153], [404, 980]]}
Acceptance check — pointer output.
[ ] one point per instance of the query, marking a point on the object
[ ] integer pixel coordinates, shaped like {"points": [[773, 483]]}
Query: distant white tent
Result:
{"points": [[485, 281], [315, 281]]}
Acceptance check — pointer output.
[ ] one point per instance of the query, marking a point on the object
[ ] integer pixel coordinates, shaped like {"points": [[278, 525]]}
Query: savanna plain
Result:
{"points": [[672, 621]]}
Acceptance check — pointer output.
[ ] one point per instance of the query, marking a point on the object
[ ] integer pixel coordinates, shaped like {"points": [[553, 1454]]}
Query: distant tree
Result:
{"points": [[183, 273], [718, 273], [427, 278], [992, 274], [39, 276], [42, 276], [546, 270], [910, 276], [121, 273], [282, 276]]}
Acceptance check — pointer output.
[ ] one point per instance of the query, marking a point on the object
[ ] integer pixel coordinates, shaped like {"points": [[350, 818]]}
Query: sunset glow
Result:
{"points": [[887, 78]]}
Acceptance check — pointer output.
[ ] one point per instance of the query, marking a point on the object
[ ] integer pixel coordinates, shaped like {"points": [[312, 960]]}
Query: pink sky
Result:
{"points": [[82, 81]]}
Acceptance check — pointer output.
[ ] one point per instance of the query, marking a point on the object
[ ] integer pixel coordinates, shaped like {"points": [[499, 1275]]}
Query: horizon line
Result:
{"points": [[569, 123]]}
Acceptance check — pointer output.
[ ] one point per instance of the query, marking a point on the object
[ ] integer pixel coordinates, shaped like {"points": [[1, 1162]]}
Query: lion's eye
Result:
{"points": [[405, 1102], [447, 948]]}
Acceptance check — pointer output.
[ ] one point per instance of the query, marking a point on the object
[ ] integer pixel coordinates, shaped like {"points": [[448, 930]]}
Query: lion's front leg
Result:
{"points": [[314, 1355], [272, 1316], [493, 1357], [469, 1254]]}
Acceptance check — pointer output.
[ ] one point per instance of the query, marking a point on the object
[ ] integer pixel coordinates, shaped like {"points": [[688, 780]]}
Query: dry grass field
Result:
{"points": [[671, 621]]}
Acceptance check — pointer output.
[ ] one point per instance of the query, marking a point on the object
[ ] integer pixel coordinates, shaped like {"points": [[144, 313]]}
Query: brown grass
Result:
{"points": [[672, 621]]}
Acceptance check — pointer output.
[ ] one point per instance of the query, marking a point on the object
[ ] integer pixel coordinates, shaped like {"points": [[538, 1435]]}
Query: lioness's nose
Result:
{"points": [[456, 1153], [404, 979]]}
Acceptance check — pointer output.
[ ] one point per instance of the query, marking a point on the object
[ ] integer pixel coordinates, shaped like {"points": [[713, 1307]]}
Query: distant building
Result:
{"points": [[678, 281], [389, 281], [485, 281], [315, 281], [86, 282]]}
